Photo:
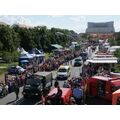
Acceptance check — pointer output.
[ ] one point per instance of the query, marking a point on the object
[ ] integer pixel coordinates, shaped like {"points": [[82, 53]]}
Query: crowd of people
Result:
{"points": [[54, 62], [47, 65]]}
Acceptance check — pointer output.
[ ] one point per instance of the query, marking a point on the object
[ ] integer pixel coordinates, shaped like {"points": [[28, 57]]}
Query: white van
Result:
{"points": [[63, 72]]}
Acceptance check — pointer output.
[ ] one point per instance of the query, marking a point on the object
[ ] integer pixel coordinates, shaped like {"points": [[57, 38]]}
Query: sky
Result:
{"points": [[78, 23]]}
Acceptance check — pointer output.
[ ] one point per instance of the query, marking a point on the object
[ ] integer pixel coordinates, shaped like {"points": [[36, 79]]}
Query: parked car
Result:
{"points": [[15, 69]]}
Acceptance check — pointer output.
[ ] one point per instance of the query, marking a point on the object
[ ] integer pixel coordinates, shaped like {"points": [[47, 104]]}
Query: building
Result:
{"points": [[103, 30]]}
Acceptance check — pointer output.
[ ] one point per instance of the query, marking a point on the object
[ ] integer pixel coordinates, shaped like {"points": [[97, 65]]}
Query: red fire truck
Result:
{"points": [[102, 86]]}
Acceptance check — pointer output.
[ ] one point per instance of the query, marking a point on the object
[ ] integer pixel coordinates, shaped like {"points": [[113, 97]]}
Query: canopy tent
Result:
{"points": [[22, 51], [24, 61], [102, 61], [56, 46], [37, 53], [26, 56]]}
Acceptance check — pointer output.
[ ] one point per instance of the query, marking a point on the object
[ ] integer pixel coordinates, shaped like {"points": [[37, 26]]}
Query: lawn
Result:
{"points": [[4, 66]]}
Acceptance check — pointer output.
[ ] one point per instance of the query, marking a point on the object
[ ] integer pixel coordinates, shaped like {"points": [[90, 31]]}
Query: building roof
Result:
{"points": [[105, 27], [57, 46]]}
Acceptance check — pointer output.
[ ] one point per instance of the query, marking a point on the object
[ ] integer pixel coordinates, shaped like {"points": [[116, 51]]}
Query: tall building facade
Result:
{"points": [[103, 30]]}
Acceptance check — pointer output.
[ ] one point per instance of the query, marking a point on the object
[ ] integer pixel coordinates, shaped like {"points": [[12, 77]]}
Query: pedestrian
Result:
{"points": [[16, 90], [56, 84], [1, 92], [4, 90], [78, 94], [58, 97], [66, 84]]}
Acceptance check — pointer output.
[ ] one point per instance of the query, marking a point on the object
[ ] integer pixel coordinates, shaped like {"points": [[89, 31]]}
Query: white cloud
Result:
{"points": [[80, 19], [15, 20], [80, 23]]}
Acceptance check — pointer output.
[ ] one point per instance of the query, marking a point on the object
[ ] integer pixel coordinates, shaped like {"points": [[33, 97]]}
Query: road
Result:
{"points": [[10, 98], [75, 72]]}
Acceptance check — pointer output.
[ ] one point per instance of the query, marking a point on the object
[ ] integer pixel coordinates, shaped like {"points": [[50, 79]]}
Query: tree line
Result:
{"points": [[13, 37]]}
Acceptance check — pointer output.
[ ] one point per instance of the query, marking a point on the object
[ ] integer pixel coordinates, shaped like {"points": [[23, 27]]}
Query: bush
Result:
{"points": [[10, 57]]}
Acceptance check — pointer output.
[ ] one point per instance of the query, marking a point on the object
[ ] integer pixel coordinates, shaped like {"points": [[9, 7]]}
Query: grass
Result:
{"points": [[2, 70], [4, 66]]}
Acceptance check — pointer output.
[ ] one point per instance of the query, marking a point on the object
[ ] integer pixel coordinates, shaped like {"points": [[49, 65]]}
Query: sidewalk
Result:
{"points": [[10, 98]]}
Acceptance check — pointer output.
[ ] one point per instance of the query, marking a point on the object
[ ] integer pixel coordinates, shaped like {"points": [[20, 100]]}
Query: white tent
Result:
{"points": [[102, 61]]}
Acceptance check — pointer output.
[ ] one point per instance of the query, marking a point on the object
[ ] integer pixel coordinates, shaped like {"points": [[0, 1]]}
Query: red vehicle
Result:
{"points": [[116, 97], [66, 94], [102, 86]]}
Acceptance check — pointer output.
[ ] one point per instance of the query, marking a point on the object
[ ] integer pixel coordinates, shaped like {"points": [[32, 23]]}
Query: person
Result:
{"points": [[66, 84], [78, 94], [58, 97], [4, 90], [56, 84], [72, 101], [16, 89], [1, 92]]}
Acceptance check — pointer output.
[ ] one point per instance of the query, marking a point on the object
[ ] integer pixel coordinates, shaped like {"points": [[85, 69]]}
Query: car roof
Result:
{"points": [[64, 66]]}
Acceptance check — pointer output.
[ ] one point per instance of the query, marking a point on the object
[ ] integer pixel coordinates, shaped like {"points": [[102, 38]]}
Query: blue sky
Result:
{"points": [[78, 23]]}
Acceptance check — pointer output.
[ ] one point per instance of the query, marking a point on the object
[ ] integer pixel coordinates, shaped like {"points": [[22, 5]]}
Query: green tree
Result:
{"points": [[117, 53]]}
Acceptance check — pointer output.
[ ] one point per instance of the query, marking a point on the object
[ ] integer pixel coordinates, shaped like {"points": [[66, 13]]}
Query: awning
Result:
{"points": [[102, 61], [56, 46]]}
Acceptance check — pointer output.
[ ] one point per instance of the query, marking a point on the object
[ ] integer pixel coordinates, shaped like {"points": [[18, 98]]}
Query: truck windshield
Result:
{"points": [[62, 70]]}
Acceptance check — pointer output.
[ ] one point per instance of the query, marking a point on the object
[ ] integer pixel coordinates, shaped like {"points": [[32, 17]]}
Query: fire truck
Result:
{"points": [[102, 86]]}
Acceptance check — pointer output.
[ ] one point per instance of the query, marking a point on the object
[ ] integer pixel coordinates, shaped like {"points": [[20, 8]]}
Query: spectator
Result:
{"points": [[58, 96], [66, 84], [16, 89], [4, 91], [78, 94], [56, 84], [1, 92]]}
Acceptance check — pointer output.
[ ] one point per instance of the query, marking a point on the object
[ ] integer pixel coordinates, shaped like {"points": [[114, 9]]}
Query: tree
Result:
{"points": [[117, 53], [9, 38]]}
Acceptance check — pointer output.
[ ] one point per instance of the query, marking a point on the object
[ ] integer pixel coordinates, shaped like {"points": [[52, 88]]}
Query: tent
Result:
{"points": [[102, 61], [26, 56], [56, 46]]}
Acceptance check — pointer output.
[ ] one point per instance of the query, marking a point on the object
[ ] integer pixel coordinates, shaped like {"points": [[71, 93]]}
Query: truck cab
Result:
{"points": [[37, 83]]}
